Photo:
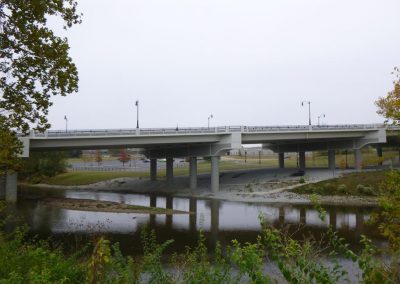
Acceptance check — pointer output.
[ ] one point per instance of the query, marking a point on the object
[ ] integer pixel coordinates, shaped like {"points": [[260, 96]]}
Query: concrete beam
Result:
{"points": [[281, 157], [11, 186], [215, 173], [170, 170], [193, 172], [153, 169]]}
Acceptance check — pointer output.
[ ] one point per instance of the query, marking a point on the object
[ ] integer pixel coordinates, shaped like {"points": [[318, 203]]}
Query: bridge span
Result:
{"points": [[211, 142]]}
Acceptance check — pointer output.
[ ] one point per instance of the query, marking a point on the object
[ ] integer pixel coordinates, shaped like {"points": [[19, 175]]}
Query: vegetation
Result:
{"points": [[356, 184], [389, 106], [42, 165], [34, 65]]}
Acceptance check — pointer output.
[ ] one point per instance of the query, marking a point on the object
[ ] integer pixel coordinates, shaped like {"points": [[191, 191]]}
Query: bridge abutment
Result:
{"points": [[214, 173], [193, 172]]}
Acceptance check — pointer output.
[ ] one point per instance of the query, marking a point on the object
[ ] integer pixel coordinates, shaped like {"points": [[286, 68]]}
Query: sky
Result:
{"points": [[246, 62]]}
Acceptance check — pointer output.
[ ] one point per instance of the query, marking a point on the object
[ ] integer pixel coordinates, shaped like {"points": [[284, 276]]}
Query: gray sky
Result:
{"points": [[247, 62]]}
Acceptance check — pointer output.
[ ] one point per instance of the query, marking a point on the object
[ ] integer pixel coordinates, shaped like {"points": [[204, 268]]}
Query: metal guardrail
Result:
{"points": [[204, 130]]}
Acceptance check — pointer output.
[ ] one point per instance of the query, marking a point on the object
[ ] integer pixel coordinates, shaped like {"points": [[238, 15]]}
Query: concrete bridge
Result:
{"points": [[212, 142]]}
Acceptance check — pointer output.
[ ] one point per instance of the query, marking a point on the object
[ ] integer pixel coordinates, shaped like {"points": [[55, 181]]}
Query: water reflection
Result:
{"points": [[219, 220]]}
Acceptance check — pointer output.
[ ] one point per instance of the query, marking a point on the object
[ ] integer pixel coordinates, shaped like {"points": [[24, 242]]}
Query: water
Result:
{"points": [[220, 221]]}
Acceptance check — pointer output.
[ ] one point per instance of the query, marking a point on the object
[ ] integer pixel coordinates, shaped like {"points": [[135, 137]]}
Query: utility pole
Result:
{"points": [[66, 123], [137, 113], [309, 110]]}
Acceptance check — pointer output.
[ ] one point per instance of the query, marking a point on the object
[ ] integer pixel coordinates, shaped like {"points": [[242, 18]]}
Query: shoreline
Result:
{"points": [[249, 193]]}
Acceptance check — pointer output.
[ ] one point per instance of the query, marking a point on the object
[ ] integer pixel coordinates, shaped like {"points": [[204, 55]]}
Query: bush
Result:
{"points": [[43, 164], [365, 190], [342, 188]]}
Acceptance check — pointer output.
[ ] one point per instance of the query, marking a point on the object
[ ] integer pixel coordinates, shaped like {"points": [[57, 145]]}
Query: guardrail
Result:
{"points": [[203, 130]]}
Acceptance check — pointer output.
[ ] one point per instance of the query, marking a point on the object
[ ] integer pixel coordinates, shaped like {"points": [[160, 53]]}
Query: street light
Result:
{"points": [[322, 115], [66, 123], [137, 113], [309, 110], [208, 125]]}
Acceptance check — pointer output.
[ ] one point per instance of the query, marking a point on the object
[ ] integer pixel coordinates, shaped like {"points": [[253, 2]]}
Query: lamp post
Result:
{"points": [[137, 113], [208, 125], [66, 123], [322, 115], [309, 110]]}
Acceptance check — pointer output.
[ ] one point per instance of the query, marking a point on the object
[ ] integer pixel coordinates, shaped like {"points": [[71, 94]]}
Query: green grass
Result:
{"points": [[355, 184]]}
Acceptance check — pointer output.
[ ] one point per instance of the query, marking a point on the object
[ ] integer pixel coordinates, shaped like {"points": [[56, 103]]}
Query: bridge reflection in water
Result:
{"points": [[219, 220]]}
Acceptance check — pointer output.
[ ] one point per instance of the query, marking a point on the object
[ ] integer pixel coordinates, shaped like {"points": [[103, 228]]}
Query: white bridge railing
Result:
{"points": [[206, 130]]}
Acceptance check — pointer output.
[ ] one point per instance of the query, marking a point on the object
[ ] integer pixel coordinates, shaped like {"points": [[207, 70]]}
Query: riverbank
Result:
{"points": [[256, 186]]}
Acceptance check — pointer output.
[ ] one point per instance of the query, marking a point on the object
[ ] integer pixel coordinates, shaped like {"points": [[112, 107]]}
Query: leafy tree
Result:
{"points": [[389, 106], [124, 157], [34, 65], [98, 158]]}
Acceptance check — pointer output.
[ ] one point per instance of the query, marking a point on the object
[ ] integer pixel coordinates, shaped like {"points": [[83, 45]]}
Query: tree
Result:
{"points": [[124, 157], [389, 106], [34, 65], [98, 158]]}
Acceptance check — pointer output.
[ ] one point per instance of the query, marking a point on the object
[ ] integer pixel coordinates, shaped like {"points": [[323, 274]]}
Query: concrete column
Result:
{"points": [[153, 169], [153, 201], [379, 152], [214, 221], [214, 173], [193, 214], [281, 157], [193, 172], [11, 186], [2, 187], [303, 220], [357, 159], [302, 160], [331, 160], [170, 170]]}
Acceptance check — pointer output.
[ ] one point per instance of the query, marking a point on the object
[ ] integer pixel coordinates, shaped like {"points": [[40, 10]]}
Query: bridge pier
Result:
{"points": [[11, 187], [214, 173], [331, 159], [302, 160], [170, 170], [153, 169], [281, 157], [193, 172], [357, 159], [379, 152]]}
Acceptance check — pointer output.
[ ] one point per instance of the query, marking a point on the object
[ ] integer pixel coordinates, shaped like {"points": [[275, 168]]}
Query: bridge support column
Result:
{"points": [[153, 169], [302, 160], [214, 173], [379, 152], [331, 159], [2, 187], [11, 187], [193, 172], [281, 157], [170, 170], [357, 159]]}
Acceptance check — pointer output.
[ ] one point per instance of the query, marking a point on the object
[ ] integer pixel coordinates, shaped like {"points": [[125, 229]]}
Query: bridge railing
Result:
{"points": [[202, 130]]}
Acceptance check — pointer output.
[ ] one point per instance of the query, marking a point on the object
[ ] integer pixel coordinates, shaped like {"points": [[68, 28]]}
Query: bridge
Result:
{"points": [[211, 142]]}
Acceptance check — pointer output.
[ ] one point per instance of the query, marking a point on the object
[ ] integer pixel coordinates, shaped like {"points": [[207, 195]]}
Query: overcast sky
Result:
{"points": [[247, 62]]}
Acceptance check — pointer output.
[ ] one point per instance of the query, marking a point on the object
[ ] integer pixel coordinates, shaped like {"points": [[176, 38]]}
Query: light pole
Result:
{"points": [[322, 115], [66, 123], [309, 110], [137, 113], [208, 125]]}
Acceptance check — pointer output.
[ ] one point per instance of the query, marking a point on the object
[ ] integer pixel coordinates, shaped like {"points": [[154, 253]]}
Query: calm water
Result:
{"points": [[220, 220]]}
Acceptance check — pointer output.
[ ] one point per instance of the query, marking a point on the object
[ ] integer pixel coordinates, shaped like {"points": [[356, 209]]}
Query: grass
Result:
{"points": [[355, 184]]}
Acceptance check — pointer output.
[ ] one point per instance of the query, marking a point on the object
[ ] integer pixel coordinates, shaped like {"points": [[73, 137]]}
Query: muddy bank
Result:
{"points": [[106, 206]]}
